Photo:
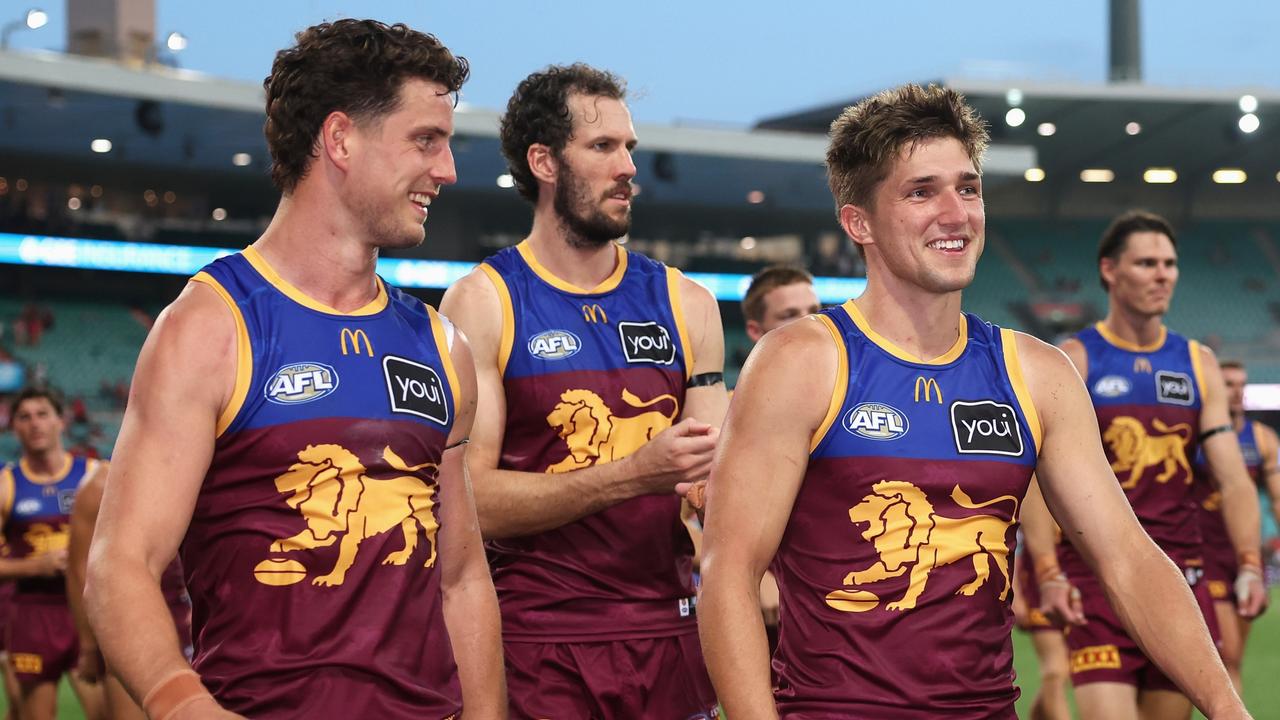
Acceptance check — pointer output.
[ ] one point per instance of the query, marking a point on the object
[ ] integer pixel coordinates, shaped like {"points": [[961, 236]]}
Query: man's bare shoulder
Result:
{"points": [[474, 305], [199, 320], [805, 346], [1047, 367]]}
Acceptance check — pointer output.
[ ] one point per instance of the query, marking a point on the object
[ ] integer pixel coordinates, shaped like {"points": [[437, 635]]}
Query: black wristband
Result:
{"points": [[706, 379], [1214, 431], [461, 442]]}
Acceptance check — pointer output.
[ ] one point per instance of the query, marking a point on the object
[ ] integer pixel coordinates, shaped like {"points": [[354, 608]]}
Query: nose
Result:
{"points": [[443, 170], [952, 210], [626, 166]]}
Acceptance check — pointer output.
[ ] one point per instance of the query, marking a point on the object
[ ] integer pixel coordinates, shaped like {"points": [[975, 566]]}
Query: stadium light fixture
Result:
{"points": [[1015, 117], [506, 181], [1132, 128], [755, 197], [1097, 175], [1229, 176], [1249, 123], [748, 243], [73, 203], [100, 145], [176, 42], [219, 214], [33, 20], [241, 159], [1034, 174], [1160, 176], [1046, 129], [1013, 96], [1248, 104]]}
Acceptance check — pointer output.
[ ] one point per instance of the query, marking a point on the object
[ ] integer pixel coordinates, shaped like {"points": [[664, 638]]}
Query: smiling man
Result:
{"points": [[878, 452], [295, 431], [601, 388]]}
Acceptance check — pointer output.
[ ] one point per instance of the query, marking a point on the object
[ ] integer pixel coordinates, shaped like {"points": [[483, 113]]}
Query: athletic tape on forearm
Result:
{"points": [[173, 693]]}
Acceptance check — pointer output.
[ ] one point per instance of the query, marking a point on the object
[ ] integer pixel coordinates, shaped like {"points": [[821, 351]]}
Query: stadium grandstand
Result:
{"points": [[121, 177]]}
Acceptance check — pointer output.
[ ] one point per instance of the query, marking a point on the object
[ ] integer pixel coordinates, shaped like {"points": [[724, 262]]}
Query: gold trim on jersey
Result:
{"points": [[442, 347], [841, 387], [1197, 366], [269, 274], [508, 336], [1123, 344], [611, 282], [51, 478], [677, 311], [244, 355], [1013, 367], [9, 487], [887, 345]]}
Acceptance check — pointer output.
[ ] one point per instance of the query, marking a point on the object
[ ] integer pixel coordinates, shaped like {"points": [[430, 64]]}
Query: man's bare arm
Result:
{"points": [[1269, 448], [1239, 496], [511, 503], [782, 396], [707, 403], [184, 378], [84, 515], [470, 605], [1058, 600], [1147, 590]]}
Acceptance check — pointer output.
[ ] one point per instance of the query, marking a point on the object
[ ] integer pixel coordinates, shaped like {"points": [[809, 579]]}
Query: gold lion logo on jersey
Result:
{"points": [[340, 501], [45, 538], [595, 434], [909, 536], [1135, 450]]}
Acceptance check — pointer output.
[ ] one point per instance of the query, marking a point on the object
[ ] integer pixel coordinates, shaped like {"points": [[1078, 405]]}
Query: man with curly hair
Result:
{"points": [[601, 388], [877, 454], [296, 426]]}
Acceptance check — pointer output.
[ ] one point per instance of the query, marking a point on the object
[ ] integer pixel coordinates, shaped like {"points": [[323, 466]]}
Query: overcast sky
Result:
{"points": [[713, 62]]}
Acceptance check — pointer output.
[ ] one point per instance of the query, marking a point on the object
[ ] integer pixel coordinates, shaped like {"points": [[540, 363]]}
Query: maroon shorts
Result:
{"points": [[6, 611], [1102, 651], [647, 678], [1026, 572], [44, 645]]}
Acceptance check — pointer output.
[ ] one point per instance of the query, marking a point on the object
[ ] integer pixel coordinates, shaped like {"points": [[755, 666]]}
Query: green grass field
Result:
{"points": [[1261, 668]]}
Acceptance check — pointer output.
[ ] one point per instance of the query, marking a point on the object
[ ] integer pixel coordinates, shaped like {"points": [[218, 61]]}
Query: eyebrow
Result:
{"points": [[966, 176], [430, 130]]}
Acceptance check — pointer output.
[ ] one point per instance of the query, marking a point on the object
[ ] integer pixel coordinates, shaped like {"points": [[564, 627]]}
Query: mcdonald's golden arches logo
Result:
{"points": [[930, 388], [594, 313], [355, 337], [1142, 364]]}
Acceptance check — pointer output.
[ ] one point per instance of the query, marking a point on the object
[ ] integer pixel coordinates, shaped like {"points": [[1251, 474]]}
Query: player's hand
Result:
{"points": [[1060, 601], [89, 667], [49, 564], [1251, 592], [769, 599], [680, 454]]}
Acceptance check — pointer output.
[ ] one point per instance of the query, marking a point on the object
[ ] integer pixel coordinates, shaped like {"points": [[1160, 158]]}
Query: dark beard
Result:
{"points": [[588, 227]]}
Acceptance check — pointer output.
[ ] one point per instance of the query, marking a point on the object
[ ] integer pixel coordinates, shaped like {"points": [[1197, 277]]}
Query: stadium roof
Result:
{"points": [[1193, 131]]}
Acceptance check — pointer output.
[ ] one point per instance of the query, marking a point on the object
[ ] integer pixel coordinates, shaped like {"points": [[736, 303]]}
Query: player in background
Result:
{"points": [[36, 497], [601, 388], [1259, 446], [877, 455], [296, 430], [1050, 701], [1157, 397]]}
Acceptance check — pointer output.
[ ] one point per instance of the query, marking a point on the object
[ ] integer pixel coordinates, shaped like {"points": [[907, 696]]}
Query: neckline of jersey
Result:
{"points": [[269, 274], [888, 346], [51, 479], [609, 283], [1113, 339]]}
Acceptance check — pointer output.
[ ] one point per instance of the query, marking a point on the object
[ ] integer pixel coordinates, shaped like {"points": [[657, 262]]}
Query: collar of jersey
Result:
{"points": [[1123, 344], [611, 282], [259, 263], [887, 345], [41, 478]]}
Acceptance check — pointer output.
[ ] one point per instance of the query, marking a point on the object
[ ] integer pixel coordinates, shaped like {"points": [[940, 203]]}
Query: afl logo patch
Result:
{"points": [[27, 506], [876, 421], [1112, 386], [554, 345], [301, 382], [986, 427], [415, 389]]}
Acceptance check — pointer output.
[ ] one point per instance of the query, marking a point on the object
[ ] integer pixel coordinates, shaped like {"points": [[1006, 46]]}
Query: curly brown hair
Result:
{"points": [[867, 137], [538, 113], [352, 66]]}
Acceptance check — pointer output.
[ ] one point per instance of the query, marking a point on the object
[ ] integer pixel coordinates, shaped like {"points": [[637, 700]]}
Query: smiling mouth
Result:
{"points": [[422, 200], [949, 244]]}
